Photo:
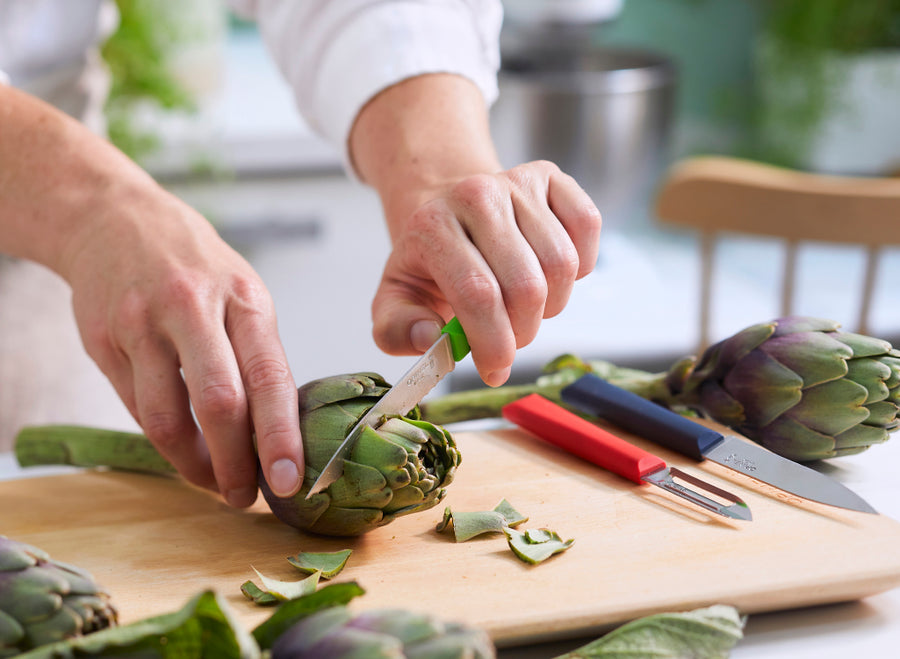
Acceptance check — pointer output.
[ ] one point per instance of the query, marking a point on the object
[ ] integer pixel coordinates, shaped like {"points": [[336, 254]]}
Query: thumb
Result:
{"points": [[401, 327]]}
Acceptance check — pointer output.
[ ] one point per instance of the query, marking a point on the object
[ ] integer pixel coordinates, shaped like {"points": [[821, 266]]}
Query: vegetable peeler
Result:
{"points": [[568, 431]]}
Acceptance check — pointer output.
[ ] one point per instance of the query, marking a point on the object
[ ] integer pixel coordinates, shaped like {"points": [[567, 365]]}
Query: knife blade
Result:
{"points": [[570, 432], [439, 360], [627, 410]]}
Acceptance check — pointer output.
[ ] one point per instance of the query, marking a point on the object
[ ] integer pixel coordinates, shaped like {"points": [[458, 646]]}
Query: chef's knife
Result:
{"points": [[627, 410], [570, 432], [421, 378]]}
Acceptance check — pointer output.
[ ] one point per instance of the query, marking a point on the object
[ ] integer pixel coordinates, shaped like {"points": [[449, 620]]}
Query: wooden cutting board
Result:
{"points": [[155, 541]]}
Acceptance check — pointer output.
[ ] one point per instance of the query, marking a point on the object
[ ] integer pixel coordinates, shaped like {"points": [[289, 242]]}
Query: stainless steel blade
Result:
{"points": [[665, 478], [415, 384], [767, 467]]}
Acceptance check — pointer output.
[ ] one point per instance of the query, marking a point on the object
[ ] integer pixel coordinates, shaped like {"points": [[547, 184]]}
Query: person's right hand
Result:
{"points": [[173, 316]]}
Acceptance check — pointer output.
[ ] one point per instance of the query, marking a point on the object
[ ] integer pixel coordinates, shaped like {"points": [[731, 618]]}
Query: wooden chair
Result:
{"points": [[724, 194]]}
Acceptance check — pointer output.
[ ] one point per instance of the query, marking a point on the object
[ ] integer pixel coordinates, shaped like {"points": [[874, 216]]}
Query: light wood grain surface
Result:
{"points": [[154, 541]]}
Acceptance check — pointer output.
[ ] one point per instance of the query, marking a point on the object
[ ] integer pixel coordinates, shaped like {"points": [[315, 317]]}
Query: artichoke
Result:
{"points": [[43, 601], [400, 467], [391, 633], [796, 385]]}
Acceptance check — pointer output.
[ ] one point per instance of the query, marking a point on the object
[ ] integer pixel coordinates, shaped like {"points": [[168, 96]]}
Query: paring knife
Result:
{"points": [[627, 410], [421, 378], [574, 434]]}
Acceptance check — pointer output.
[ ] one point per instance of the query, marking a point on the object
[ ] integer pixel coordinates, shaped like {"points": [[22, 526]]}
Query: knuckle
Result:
{"points": [[251, 295], [266, 374], [481, 193], [222, 398], [479, 290], [562, 264], [133, 311], [527, 290], [165, 430]]}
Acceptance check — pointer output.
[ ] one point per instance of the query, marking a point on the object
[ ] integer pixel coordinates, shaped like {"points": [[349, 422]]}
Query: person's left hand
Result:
{"points": [[500, 251]]}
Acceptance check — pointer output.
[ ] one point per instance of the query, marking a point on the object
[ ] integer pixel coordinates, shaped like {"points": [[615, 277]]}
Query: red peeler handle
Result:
{"points": [[570, 432]]}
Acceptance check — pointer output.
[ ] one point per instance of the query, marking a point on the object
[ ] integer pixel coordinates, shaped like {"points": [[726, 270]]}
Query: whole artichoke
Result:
{"points": [[42, 600], [399, 468], [796, 385], [335, 633]]}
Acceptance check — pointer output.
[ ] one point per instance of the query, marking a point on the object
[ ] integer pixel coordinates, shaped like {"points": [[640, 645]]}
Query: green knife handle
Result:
{"points": [[459, 344]]}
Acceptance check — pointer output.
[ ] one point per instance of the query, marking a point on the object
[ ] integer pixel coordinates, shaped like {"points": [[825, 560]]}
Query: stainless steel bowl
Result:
{"points": [[604, 115]]}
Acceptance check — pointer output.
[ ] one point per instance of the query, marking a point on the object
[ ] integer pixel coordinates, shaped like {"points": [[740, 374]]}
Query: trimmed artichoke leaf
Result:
{"points": [[290, 612], [467, 525], [328, 564], [536, 545], [205, 621], [289, 590], [708, 633], [257, 595]]}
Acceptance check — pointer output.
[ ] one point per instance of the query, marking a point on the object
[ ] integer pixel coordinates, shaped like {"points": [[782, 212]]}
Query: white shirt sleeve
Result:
{"points": [[338, 54], [4, 79]]}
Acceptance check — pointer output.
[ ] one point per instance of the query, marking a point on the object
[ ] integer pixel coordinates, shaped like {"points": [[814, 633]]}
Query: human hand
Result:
{"points": [[174, 317], [500, 251]]}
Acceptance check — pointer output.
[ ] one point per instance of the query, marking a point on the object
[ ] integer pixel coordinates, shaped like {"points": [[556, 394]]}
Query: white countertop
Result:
{"points": [[867, 628]]}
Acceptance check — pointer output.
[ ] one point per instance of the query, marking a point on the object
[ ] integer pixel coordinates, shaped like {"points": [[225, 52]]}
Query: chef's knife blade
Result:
{"points": [[570, 432], [421, 378], [595, 396]]}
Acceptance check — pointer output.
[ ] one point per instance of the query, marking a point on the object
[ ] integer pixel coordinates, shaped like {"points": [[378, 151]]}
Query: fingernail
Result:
{"points": [[241, 497], [423, 334], [497, 378], [284, 478]]}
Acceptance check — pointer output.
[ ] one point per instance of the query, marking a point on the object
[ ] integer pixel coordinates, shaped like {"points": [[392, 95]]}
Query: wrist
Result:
{"points": [[419, 137]]}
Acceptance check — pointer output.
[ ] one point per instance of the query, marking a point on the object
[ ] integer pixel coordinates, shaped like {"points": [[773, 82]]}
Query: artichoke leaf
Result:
{"points": [[289, 590], [766, 387], [793, 440], [467, 525], [536, 545], [831, 408], [329, 564], [871, 374], [819, 357], [292, 611], [204, 622], [862, 345], [708, 633], [257, 595]]}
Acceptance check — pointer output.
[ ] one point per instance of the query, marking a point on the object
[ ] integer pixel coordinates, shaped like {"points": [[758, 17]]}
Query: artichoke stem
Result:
{"points": [[82, 446], [486, 403]]}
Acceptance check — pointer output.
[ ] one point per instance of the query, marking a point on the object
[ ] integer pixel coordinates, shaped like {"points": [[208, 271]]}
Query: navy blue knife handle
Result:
{"points": [[640, 416]]}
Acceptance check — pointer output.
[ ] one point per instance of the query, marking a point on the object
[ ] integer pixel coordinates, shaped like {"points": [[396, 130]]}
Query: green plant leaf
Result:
{"points": [[289, 590], [536, 545], [328, 564], [204, 627], [257, 595], [289, 612], [467, 525], [708, 633]]}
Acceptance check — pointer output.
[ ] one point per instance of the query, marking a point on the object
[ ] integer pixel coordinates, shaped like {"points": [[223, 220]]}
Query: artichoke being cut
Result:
{"points": [[398, 468]]}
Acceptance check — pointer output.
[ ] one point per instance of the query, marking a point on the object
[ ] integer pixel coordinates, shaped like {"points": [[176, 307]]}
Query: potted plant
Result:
{"points": [[828, 84]]}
